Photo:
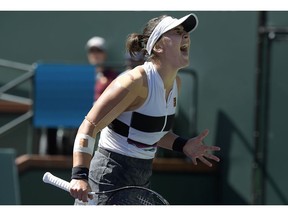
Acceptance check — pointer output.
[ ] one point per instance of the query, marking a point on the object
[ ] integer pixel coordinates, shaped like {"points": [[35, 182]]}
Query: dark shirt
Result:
{"points": [[103, 81]]}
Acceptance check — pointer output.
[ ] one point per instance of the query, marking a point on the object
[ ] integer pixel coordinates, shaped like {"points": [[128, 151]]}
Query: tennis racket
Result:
{"points": [[128, 195]]}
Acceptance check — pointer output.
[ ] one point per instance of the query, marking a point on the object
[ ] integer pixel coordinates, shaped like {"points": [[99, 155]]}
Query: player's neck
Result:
{"points": [[167, 74]]}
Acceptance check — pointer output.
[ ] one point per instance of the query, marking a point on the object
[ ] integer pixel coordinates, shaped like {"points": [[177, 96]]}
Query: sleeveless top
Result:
{"points": [[136, 133]]}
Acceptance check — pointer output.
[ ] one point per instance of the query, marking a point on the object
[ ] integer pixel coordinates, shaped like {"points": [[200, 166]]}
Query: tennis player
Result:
{"points": [[135, 115]]}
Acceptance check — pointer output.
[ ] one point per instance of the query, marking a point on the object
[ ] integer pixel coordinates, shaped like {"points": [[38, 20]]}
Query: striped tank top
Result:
{"points": [[136, 133]]}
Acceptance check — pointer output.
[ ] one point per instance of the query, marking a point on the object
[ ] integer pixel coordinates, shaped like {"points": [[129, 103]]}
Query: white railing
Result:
{"points": [[28, 73]]}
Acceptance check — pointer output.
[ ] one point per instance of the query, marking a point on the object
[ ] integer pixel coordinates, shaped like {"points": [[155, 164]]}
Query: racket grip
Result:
{"points": [[56, 181]]}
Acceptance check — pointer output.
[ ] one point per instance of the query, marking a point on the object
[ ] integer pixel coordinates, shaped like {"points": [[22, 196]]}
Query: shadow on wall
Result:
{"points": [[226, 131]]}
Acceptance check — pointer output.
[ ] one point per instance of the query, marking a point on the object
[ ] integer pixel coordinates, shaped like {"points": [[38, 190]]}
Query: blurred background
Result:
{"points": [[235, 86]]}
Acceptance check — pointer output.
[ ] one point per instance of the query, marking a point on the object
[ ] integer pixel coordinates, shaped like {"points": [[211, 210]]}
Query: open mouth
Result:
{"points": [[184, 48]]}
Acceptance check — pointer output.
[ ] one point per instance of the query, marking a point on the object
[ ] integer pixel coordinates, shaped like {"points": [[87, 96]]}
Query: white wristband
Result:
{"points": [[84, 143]]}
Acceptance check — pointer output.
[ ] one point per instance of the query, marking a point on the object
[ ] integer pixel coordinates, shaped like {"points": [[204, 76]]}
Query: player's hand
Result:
{"points": [[79, 189], [196, 149]]}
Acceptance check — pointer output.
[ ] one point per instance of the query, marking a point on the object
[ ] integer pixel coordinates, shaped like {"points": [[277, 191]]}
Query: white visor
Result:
{"points": [[189, 22]]}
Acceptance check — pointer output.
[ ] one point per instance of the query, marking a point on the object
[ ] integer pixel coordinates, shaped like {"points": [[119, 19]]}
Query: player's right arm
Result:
{"points": [[124, 93]]}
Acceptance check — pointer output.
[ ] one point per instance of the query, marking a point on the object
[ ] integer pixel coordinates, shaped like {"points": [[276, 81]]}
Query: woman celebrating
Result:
{"points": [[135, 115]]}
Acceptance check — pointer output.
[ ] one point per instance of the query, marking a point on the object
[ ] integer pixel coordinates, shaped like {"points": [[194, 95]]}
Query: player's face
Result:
{"points": [[176, 46]]}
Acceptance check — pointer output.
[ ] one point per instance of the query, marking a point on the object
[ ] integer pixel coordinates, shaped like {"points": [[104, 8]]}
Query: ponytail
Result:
{"points": [[136, 43]]}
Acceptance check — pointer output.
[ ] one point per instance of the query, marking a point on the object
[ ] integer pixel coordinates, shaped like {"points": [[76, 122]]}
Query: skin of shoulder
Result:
{"points": [[133, 79]]}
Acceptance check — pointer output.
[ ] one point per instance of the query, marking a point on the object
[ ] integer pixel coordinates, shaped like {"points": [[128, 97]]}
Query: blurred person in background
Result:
{"points": [[97, 56]]}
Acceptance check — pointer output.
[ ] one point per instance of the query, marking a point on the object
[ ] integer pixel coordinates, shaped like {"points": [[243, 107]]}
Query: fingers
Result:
{"points": [[80, 195], [80, 189], [203, 134], [205, 161], [212, 157], [194, 160], [213, 148], [83, 197], [201, 158]]}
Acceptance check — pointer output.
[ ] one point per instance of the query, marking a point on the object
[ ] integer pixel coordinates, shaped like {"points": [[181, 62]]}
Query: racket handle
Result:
{"points": [[62, 184], [56, 181]]}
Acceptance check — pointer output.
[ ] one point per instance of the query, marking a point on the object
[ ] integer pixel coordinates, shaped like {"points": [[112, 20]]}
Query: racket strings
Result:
{"points": [[135, 196]]}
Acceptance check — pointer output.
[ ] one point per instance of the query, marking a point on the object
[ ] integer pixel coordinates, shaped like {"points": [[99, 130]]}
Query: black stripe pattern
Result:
{"points": [[142, 123], [150, 124]]}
